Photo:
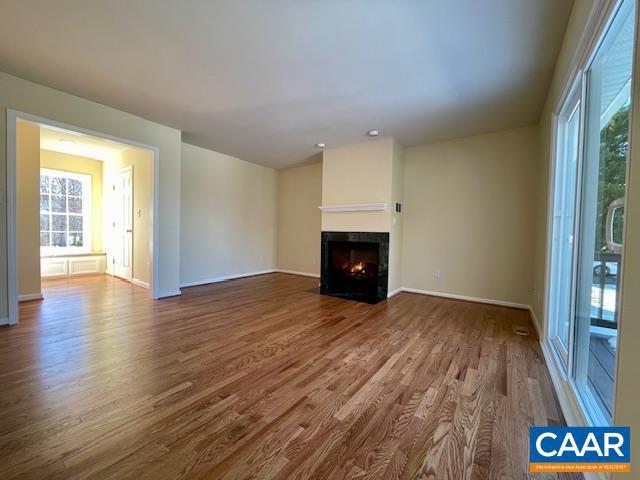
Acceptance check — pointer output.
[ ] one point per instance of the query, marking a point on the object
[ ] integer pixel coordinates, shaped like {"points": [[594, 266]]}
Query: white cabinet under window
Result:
{"points": [[72, 265]]}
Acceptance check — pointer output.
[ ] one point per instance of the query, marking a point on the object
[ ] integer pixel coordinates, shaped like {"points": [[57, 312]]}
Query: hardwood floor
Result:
{"points": [[264, 378]]}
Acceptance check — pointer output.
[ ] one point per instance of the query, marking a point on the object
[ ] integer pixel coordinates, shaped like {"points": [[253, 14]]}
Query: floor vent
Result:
{"points": [[521, 330]]}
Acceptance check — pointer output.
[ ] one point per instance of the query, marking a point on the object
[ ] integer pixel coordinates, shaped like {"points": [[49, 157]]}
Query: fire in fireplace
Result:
{"points": [[354, 265], [359, 269]]}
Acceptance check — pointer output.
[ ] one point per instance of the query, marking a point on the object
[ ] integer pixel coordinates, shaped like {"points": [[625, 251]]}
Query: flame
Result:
{"points": [[358, 267]]}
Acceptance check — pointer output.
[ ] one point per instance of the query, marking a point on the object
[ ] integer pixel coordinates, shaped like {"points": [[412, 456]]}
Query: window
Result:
{"points": [[64, 211]]}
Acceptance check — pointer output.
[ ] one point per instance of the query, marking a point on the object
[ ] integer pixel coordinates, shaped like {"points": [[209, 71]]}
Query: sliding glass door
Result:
{"points": [[601, 221], [592, 137]]}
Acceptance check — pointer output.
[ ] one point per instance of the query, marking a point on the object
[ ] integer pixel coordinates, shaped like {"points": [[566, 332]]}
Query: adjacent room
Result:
{"points": [[317, 240], [84, 207]]}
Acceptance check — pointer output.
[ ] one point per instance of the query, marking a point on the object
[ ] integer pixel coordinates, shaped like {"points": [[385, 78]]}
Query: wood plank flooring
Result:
{"points": [[601, 371], [264, 378]]}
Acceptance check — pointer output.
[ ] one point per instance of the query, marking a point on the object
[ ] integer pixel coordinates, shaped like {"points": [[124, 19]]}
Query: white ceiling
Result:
{"points": [[64, 141], [266, 80]]}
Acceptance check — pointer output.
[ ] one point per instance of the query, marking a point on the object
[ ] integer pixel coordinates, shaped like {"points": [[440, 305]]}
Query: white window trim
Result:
{"points": [[571, 101], [86, 213]]}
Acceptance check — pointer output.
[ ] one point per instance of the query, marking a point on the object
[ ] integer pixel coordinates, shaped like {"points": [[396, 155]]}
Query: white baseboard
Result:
{"points": [[501, 303], [140, 283], [394, 293], [173, 293], [85, 274], [30, 296], [223, 278], [303, 274], [534, 320]]}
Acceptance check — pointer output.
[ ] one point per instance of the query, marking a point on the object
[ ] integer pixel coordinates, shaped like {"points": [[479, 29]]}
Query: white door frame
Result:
{"points": [[12, 284]]}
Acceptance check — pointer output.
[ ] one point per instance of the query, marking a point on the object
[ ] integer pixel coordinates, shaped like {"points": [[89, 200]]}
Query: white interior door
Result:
{"points": [[123, 224]]}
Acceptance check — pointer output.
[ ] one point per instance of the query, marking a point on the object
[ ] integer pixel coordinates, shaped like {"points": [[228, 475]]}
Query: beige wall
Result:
{"points": [[299, 222], [141, 161], [357, 174], [396, 235], [468, 210], [87, 166], [228, 216], [28, 207], [35, 99]]}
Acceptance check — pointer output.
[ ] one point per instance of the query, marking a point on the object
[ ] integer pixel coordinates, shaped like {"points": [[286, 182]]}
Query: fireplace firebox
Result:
{"points": [[355, 265]]}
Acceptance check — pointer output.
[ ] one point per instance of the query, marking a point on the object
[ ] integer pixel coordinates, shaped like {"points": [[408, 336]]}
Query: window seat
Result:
{"points": [[62, 265]]}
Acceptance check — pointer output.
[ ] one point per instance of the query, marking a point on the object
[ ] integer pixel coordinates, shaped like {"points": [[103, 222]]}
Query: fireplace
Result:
{"points": [[355, 265]]}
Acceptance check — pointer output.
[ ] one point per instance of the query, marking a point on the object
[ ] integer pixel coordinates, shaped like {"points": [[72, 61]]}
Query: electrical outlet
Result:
{"points": [[437, 273]]}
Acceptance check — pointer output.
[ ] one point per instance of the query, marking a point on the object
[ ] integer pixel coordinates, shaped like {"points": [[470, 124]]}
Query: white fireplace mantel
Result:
{"points": [[354, 207]]}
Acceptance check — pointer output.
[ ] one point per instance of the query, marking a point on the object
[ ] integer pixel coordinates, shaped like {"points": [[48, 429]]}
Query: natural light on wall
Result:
{"points": [[64, 141]]}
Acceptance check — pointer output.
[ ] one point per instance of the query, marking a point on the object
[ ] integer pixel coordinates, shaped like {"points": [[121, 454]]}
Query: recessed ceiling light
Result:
{"points": [[66, 141], [321, 145], [373, 133]]}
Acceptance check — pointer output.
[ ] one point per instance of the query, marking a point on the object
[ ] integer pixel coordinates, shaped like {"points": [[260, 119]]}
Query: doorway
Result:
{"points": [[72, 210]]}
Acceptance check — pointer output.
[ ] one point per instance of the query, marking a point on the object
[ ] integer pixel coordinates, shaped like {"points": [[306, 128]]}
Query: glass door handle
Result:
{"points": [[611, 213]]}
